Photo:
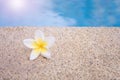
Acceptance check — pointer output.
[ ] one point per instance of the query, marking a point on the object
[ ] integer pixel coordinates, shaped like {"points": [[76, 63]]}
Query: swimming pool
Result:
{"points": [[63, 13]]}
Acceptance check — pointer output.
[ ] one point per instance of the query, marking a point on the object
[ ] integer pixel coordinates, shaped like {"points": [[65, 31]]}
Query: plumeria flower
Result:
{"points": [[40, 45]]}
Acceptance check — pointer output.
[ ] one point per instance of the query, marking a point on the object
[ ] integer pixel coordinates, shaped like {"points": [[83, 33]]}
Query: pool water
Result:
{"points": [[63, 13], [91, 12]]}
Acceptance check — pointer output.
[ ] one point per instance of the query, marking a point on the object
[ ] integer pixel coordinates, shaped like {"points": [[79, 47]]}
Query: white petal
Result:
{"points": [[28, 43], [34, 55], [46, 55], [39, 34], [50, 40]]}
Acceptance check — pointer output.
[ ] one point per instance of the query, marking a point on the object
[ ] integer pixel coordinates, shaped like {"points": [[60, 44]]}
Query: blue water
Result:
{"points": [[66, 13]]}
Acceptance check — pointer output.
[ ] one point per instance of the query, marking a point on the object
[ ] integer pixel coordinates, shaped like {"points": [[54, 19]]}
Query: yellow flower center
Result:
{"points": [[40, 45]]}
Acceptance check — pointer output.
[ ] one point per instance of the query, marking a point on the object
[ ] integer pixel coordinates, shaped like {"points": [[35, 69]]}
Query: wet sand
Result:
{"points": [[78, 54]]}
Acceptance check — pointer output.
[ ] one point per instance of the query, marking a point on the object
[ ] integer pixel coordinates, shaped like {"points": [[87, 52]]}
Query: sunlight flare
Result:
{"points": [[17, 5]]}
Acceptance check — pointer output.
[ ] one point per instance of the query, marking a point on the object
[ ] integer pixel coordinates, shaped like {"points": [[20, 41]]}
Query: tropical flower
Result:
{"points": [[40, 45]]}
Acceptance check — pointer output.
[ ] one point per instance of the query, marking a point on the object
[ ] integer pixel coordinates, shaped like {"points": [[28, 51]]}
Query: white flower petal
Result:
{"points": [[50, 40], [28, 43], [39, 35], [46, 55], [34, 55]]}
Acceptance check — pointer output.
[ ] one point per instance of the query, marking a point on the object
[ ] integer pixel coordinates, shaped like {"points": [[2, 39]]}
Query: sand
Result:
{"points": [[78, 54]]}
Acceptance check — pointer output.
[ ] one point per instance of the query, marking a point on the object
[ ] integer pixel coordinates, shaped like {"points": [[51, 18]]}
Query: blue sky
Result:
{"points": [[60, 13]]}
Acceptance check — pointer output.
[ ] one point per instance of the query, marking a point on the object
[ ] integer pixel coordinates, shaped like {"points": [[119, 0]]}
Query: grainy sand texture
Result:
{"points": [[78, 54]]}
